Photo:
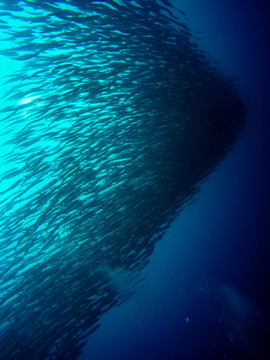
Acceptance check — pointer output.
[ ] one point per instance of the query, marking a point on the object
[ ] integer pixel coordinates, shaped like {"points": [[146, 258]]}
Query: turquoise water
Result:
{"points": [[111, 118]]}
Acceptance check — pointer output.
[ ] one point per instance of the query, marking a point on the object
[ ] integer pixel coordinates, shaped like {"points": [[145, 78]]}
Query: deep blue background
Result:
{"points": [[219, 246]]}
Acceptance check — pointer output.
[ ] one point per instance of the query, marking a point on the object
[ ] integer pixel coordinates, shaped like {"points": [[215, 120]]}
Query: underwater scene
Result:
{"points": [[134, 180]]}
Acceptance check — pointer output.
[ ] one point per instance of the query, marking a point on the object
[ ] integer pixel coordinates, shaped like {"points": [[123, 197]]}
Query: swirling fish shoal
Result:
{"points": [[114, 119]]}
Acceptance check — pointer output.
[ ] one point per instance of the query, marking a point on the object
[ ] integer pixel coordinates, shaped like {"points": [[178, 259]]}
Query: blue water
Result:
{"points": [[216, 306], [205, 292]]}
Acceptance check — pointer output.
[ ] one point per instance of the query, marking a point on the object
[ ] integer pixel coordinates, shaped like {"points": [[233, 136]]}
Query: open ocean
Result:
{"points": [[84, 199]]}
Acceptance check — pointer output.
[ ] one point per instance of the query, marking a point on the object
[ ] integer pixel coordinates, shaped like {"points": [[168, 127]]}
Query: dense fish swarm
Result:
{"points": [[110, 123]]}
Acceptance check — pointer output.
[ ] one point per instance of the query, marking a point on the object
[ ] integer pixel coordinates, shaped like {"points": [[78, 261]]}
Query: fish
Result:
{"points": [[115, 118]]}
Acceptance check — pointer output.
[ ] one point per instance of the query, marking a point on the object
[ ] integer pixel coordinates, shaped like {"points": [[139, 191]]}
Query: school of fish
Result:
{"points": [[109, 125]]}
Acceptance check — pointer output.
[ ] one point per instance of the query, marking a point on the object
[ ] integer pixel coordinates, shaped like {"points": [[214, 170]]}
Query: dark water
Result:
{"points": [[111, 118]]}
